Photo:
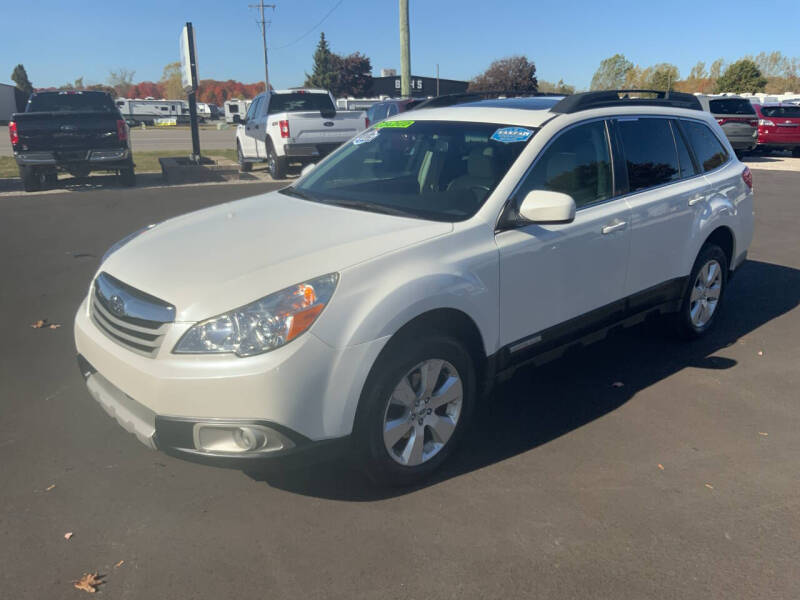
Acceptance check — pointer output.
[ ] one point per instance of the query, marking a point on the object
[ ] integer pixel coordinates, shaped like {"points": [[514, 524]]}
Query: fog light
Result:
{"points": [[249, 439]]}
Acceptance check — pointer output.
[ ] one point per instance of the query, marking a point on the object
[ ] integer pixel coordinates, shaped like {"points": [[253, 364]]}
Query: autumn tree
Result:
{"points": [[323, 75], [353, 75], [121, 80], [20, 77], [742, 76], [661, 77], [514, 74], [612, 73], [548, 87], [171, 81]]}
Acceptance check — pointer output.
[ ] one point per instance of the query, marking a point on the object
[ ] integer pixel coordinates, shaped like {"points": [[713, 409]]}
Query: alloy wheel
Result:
{"points": [[705, 294]]}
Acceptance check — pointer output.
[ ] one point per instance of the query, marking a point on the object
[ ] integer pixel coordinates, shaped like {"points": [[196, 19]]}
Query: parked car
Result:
{"points": [[779, 127], [374, 301], [738, 120], [293, 126], [73, 131], [388, 108]]}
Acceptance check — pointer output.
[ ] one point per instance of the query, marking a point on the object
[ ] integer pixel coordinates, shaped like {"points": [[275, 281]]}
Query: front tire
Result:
{"points": [[415, 406], [705, 293]]}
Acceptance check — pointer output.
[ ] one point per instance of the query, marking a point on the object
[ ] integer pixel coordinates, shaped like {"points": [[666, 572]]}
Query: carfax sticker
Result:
{"points": [[509, 135], [397, 124], [365, 137]]}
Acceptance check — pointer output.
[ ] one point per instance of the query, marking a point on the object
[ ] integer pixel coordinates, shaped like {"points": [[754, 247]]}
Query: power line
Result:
{"points": [[261, 6], [321, 21]]}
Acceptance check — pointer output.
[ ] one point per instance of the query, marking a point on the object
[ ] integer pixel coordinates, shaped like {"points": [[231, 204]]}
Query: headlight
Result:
{"points": [[263, 325], [124, 241]]}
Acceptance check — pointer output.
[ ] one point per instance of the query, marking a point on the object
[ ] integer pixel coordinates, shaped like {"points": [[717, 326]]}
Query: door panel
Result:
{"points": [[251, 130]]}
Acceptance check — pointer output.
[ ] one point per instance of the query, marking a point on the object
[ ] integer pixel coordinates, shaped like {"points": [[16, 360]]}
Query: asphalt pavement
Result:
{"points": [[640, 467]]}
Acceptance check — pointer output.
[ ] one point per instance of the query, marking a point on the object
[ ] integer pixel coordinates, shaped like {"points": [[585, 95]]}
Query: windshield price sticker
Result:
{"points": [[509, 135], [365, 137], [397, 124]]}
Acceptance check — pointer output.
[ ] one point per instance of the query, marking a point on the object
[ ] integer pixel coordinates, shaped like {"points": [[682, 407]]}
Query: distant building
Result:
{"points": [[420, 86]]}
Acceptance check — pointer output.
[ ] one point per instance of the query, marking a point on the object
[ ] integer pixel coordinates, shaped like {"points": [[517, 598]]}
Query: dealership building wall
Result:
{"points": [[420, 86]]}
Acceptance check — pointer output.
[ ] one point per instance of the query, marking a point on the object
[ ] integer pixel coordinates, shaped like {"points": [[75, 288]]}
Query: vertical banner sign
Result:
{"points": [[189, 82]]}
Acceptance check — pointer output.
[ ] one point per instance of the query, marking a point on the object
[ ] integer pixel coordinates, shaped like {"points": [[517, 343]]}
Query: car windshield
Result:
{"points": [[71, 102], [299, 102], [731, 106], [433, 170], [789, 111]]}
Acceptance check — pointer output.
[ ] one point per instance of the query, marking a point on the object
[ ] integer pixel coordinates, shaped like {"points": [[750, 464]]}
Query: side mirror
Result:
{"points": [[307, 169], [238, 119], [542, 206]]}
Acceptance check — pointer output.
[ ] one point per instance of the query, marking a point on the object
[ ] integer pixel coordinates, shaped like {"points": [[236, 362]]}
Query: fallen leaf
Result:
{"points": [[119, 564], [49, 487], [761, 353], [660, 466], [68, 535], [39, 324], [764, 433], [54, 325], [709, 486], [88, 583], [617, 384]]}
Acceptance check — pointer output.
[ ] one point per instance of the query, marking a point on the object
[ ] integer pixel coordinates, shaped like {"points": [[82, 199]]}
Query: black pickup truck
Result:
{"points": [[73, 131]]}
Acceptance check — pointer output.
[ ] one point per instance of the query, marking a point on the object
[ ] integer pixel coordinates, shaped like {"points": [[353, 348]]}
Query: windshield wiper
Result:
{"points": [[372, 207]]}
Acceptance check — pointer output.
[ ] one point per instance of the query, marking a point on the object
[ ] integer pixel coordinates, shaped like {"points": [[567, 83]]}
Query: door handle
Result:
{"points": [[615, 227], [696, 199]]}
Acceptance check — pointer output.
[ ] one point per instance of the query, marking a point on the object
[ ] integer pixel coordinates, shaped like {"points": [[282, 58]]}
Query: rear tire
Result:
{"points": [[705, 293], [404, 428], [127, 176], [244, 166], [275, 163], [31, 178]]}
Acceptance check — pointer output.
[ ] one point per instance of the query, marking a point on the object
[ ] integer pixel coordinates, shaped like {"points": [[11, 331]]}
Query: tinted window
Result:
{"points": [[781, 111], [576, 163], [392, 110], [731, 106], [251, 111], [650, 152], [428, 169], [707, 148], [300, 102], [71, 102], [684, 158]]}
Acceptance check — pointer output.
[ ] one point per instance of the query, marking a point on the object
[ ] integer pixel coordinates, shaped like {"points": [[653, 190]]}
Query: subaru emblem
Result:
{"points": [[116, 305], [328, 123]]}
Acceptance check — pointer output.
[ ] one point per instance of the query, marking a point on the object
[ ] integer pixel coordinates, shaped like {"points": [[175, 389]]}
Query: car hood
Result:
{"points": [[213, 260]]}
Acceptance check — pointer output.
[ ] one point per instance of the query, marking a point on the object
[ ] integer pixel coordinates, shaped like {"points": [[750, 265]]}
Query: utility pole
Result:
{"points": [[437, 79], [261, 6], [405, 52]]}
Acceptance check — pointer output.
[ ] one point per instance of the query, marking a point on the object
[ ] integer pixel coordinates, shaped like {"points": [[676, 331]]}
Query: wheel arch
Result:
{"points": [[723, 237]]}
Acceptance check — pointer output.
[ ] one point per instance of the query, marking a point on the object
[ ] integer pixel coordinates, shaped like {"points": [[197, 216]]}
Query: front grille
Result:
{"points": [[128, 316]]}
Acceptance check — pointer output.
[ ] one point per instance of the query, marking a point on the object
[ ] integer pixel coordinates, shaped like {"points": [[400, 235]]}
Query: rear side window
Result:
{"points": [[781, 111], [684, 157], [71, 102], [707, 148], [731, 106], [650, 153], [576, 163]]}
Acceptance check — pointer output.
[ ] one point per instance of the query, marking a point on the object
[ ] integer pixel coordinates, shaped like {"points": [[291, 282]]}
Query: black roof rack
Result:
{"points": [[588, 100]]}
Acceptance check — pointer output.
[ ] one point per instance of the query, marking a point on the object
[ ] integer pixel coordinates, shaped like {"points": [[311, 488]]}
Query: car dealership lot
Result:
{"points": [[638, 467]]}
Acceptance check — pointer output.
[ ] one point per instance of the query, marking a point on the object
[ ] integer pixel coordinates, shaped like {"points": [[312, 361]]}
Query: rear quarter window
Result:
{"points": [[708, 150], [789, 112], [731, 106]]}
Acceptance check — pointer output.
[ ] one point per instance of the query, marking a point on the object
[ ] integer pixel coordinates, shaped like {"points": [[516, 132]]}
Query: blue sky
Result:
{"points": [[58, 41]]}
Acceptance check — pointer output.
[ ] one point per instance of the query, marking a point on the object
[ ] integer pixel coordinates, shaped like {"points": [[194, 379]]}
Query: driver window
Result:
{"points": [[576, 163], [251, 111]]}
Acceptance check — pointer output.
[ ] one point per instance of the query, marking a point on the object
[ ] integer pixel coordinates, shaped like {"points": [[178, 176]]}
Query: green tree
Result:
{"points": [[20, 77], [742, 76], [662, 77], [171, 81], [611, 74], [715, 70], [548, 87], [323, 75], [514, 74]]}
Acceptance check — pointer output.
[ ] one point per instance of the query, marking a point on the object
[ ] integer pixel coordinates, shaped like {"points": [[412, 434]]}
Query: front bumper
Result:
{"points": [[301, 393]]}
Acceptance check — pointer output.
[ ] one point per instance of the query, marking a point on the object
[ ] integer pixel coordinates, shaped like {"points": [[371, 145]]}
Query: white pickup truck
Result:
{"points": [[293, 126]]}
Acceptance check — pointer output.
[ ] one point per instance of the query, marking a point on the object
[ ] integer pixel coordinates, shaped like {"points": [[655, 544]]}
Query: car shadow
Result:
{"points": [[541, 404]]}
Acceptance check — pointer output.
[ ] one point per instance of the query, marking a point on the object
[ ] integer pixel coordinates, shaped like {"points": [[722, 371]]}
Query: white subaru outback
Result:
{"points": [[376, 299]]}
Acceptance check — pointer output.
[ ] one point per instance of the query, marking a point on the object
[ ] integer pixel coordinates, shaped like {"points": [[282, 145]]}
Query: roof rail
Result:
{"points": [[604, 98]]}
